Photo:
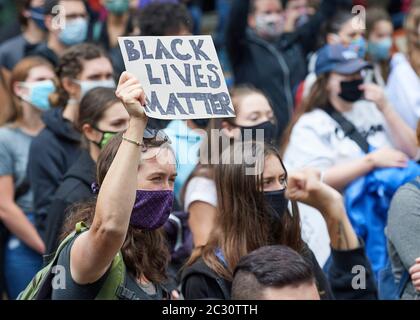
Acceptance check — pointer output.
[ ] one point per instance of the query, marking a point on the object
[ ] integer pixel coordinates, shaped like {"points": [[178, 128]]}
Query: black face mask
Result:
{"points": [[277, 202], [350, 91], [269, 131], [201, 123]]}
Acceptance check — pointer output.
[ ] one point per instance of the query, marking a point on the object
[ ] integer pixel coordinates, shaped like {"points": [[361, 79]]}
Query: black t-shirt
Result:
{"points": [[73, 291]]}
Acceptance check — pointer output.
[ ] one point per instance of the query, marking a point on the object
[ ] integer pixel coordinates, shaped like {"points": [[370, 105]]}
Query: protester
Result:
{"points": [[339, 29], [31, 82], [118, 23], [264, 53], [402, 233], [274, 273], [101, 116], [67, 22], [403, 86], [253, 112], [33, 32], [317, 140], [124, 221], [379, 31], [56, 148], [253, 212]]}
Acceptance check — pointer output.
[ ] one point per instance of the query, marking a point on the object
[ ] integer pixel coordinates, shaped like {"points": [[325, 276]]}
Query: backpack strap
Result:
{"points": [[348, 128], [405, 278], [39, 286], [114, 280]]}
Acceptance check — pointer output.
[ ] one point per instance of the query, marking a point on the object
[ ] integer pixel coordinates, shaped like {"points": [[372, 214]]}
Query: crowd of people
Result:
{"points": [[325, 204]]}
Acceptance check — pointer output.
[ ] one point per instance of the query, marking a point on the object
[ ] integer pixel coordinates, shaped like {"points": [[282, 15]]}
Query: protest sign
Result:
{"points": [[181, 76]]}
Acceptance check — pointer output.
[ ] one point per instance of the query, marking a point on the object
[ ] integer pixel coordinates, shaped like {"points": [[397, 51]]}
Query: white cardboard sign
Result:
{"points": [[181, 76]]}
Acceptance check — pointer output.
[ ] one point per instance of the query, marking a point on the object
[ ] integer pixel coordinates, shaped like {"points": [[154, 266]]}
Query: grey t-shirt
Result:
{"points": [[14, 152], [403, 232]]}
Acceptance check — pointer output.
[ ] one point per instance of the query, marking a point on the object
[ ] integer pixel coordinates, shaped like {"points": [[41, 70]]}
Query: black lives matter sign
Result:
{"points": [[181, 76]]}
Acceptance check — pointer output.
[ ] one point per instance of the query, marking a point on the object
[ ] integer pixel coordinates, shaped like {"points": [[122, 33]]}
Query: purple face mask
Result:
{"points": [[151, 209]]}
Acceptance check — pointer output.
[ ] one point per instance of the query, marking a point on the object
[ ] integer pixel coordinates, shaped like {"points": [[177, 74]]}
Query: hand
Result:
{"points": [[306, 186], [375, 94], [415, 274], [290, 20], [388, 158], [175, 295], [131, 93]]}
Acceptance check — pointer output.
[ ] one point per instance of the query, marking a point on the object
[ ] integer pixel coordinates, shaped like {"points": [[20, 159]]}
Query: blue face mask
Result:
{"points": [[359, 45], [37, 15], [381, 50], [86, 86], [117, 7], [75, 32], [38, 93]]}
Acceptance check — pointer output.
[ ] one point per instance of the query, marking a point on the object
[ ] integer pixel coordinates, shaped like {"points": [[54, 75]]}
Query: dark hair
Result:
{"points": [[270, 266], [244, 223], [70, 66], [162, 19], [373, 16], [334, 25], [50, 4], [93, 107], [144, 252], [22, 6], [253, 7]]}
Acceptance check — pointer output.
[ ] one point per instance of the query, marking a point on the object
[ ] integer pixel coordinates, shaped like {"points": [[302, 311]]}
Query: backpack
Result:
{"points": [[388, 287], [40, 287]]}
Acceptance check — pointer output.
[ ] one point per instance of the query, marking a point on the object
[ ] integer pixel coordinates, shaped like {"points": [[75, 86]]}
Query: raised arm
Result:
{"points": [[308, 33], [347, 251], [94, 250], [236, 30]]}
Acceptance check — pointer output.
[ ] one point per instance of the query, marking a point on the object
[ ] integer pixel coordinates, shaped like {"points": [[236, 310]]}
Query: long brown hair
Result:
{"points": [[413, 38], [317, 99], [19, 74], [144, 252], [243, 223], [375, 15], [70, 66]]}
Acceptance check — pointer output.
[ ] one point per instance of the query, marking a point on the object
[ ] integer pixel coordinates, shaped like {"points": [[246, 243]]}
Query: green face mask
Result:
{"points": [[117, 7], [106, 137]]}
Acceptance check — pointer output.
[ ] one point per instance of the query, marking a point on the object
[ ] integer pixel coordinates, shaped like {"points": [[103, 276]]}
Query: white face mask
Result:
{"points": [[269, 25], [87, 85]]}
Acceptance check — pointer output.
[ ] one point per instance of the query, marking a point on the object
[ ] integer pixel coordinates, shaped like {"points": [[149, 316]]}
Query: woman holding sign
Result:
{"points": [[118, 251], [135, 174]]}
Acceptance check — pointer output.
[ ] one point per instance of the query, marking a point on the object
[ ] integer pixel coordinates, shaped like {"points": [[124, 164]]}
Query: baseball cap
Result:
{"points": [[339, 59]]}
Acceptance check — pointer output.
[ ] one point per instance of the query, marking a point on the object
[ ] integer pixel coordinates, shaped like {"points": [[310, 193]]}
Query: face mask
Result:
{"points": [[359, 45], [87, 85], [201, 123], [106, 136], [117, 7], [38, 93], [151, 209], [350, 91], [277, 202], [251, 132], [37, 15], [381, 50], [269, 25], [75, 32]]}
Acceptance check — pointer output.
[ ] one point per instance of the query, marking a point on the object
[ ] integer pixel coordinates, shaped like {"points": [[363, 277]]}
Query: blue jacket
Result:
{"points": [[367, 201]]}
